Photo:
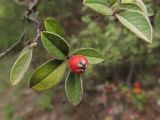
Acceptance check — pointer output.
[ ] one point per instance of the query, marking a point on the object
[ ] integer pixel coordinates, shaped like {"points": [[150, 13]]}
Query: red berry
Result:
{"points": [[137, 85], [78, 63]]}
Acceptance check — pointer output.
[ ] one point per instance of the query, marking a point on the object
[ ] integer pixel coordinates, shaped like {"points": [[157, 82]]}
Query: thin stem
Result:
{"points": [[22, 37], [27, 16]]}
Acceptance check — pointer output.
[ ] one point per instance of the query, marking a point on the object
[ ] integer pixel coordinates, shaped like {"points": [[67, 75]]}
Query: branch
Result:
{"points": [[28, 16], [21, 38], [31, 9]]}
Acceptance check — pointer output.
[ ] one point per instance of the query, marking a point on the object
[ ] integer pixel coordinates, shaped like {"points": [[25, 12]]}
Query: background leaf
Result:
{"points": [[55, 45], [141, 4], [157, 21], [130, 6], [54, 26], [74, 88], [137, 23], [48, 75], [92, 55], [128, 1], [21, 66], [112, 2], [100, 6]]}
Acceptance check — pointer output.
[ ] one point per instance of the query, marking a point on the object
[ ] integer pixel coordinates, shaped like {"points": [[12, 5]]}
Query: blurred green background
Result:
{"points": [[109, 92]]}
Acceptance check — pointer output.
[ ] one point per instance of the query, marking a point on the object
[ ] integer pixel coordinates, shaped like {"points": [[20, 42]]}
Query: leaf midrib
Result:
{"points": [[45, 76], [58, 49]]}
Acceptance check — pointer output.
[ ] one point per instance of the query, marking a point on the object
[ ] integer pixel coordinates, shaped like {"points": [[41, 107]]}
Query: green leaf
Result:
{"points": [[137, 23], [150, 10], [130, 6], [157, 21], [55, 45], [93, 56], [112, 2], [74, 88], [128, 1], [24, 50], [141, 4], [100, 6], [54, 26], [48, 75], [21, 66]]}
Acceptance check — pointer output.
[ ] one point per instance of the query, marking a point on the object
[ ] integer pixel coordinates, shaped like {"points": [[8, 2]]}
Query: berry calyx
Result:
{"points": [[78, 63]]}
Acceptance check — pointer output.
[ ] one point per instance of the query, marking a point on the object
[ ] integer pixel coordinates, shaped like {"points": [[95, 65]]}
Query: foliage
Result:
{"points": [[128, 17], [117, 44], [92, 55], [74, 88], [21, 66], [50, 73]]}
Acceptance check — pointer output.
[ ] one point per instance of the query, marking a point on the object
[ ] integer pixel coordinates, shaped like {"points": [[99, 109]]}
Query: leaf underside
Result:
{"points": [[130, 6], [21, 66], [100, 6], [137, 23], [74, 88]]}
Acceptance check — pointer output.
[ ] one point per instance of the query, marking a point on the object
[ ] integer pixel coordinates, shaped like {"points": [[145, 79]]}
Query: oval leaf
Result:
{"points": [[21, 66], [137, 23], [130, 6], [48, 75], [99, 6], [128, 1], [141, 4], [92, 55], [74, 88], [54, 26], [55, 45]]}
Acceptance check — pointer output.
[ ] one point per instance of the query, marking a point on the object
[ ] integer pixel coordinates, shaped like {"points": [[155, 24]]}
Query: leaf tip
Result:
{"points": [[75, 104], [150, 41], [48, 18]]}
